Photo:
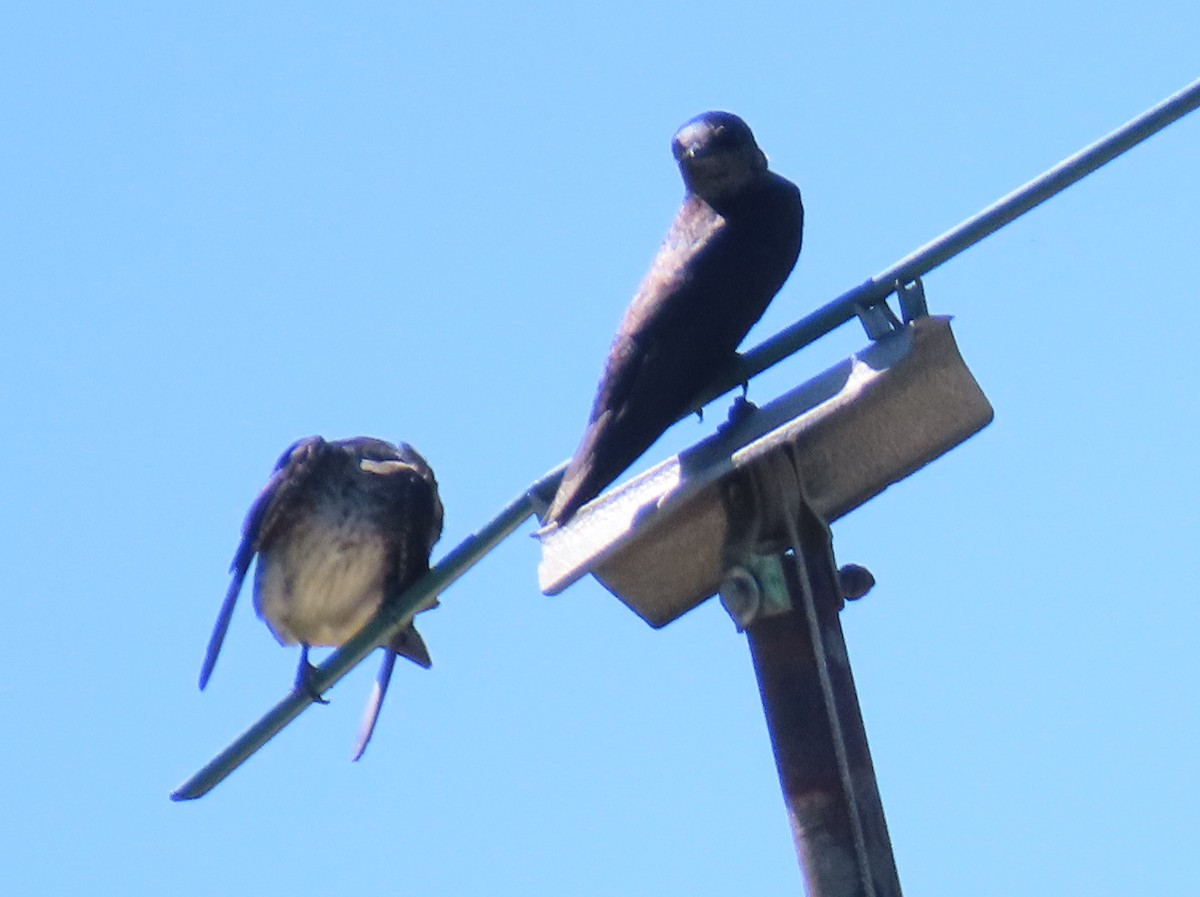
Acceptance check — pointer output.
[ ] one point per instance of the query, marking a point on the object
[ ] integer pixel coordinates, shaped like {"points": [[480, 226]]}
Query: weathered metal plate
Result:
{"points": [[661, 541]]}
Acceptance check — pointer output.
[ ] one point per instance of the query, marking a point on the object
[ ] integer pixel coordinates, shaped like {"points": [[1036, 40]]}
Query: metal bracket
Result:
{"points": [[878, 320], [664, 541], [911, 296]]}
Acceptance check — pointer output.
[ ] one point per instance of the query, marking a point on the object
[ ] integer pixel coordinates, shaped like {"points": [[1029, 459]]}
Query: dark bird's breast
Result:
{"points": [[712, 279]]}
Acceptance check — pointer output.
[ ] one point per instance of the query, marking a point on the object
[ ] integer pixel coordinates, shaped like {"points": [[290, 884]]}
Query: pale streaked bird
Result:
{"points": [[341, 528]]}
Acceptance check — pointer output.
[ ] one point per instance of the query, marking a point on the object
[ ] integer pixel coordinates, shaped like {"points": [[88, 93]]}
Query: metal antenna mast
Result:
{"points": [[786, 597]]}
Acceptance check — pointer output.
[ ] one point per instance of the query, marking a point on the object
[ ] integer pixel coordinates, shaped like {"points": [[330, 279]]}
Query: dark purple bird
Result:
{"points": [[340, 528], [733, 243]]}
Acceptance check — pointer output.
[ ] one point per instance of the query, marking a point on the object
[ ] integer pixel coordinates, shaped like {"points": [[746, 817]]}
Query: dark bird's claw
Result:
{"points": [[304, 684], [304, 678]]}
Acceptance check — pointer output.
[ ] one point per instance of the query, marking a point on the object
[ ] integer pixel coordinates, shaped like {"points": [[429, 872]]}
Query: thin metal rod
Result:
{"points": [[753, 362], [379, 631], [919, 263]]}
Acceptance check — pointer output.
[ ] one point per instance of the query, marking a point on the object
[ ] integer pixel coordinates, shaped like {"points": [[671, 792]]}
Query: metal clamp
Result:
{"points": [[911, 296]]}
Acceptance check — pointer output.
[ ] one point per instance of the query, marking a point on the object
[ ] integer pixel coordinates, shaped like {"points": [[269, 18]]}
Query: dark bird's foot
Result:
{"points": [[304, 682]]}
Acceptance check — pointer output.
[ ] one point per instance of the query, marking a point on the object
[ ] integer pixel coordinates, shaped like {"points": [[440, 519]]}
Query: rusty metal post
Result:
{"points": [[815, 723]]}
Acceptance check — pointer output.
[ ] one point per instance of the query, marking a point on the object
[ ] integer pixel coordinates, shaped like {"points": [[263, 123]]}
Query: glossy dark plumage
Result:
{"points": [[733, 243], [341, 527]]}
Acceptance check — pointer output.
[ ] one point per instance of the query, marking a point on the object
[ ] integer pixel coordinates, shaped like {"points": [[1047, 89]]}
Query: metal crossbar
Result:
{"points": [[788, 341]]}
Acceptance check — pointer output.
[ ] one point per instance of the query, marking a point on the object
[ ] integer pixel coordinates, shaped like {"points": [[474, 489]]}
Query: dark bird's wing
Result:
{"points": [[261, 521], [641, 353], [710, 282]]}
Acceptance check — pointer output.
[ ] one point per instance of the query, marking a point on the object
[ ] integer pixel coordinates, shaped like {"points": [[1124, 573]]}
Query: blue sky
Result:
{"points": [[225, 228]]}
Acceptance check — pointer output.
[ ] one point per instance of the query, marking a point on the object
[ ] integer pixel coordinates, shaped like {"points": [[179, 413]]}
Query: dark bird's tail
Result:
{"points": [[576, 490], [591, 470], [407, 644]]}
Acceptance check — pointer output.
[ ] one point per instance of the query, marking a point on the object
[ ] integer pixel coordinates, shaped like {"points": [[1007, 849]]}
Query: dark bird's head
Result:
{"points": [[717, 156]]}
